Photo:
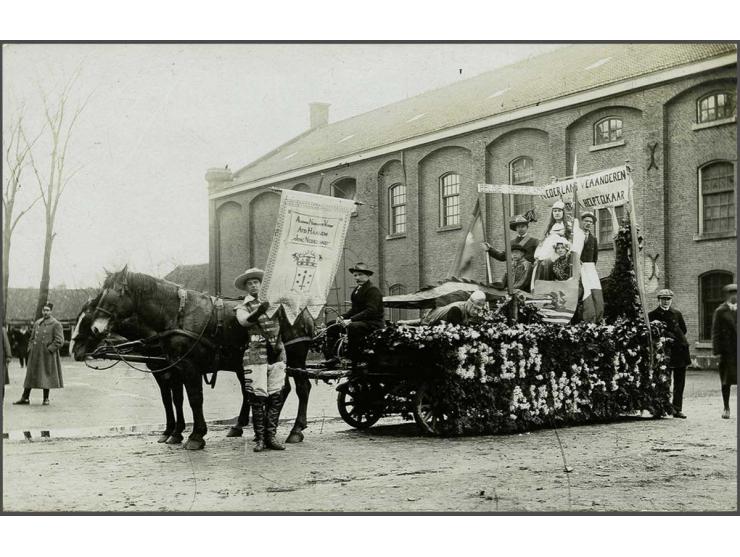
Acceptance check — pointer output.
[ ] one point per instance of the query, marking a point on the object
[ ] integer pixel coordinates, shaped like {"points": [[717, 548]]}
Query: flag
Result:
{"points": [[470, 250]]}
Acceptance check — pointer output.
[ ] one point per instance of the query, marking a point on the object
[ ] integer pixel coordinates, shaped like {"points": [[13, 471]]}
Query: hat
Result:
{"points": [[240, 282], [588, 214], [665, 293], [558, 205], [519, 247], [561, 240], [730, 288], [49, 305], [516, 221], [361, 268]]}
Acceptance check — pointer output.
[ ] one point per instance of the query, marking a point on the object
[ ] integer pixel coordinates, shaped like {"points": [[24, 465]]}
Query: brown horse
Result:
{"points": [[186, 327]]}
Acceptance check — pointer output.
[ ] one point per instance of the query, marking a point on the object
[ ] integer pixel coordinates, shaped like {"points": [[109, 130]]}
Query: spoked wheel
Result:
{"points": [[427, 414], [360, 404]]}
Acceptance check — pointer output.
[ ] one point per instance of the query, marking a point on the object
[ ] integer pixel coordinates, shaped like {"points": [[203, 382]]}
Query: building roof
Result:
{"points": [[21, 303], [562, 72], [192, 277]]}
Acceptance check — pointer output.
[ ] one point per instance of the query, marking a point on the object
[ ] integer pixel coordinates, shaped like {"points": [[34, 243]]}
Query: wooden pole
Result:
{"points": [[507, 247], [637, 267]]}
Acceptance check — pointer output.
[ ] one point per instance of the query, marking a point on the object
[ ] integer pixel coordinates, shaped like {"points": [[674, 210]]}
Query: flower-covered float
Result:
{"points": [[503, 376]]}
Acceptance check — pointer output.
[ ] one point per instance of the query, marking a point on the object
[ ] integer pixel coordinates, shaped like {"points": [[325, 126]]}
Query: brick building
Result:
{"points": [[670, 109]]}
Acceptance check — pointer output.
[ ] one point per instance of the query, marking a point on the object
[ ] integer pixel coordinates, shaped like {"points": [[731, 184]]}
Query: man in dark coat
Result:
{"points": [[520, 225], [593, 297], [44, 369], [724, 343], [366, 313], [678, 351]]}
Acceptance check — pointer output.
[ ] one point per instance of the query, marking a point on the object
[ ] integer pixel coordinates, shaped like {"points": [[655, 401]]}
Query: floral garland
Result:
{"points": [[499, 376]]}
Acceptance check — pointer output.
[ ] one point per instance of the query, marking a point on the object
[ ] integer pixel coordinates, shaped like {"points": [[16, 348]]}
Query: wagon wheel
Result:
{"points": [[427, 414], [360, 404]]}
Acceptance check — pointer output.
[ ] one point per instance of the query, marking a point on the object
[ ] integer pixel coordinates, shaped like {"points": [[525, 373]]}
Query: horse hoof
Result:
{"points": [[174, 439], [235, 432], [194, 445], [294, 437], [163, 438]]}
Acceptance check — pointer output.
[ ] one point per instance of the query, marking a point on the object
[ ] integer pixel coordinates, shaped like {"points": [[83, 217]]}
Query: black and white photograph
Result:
{"points": [[369, 277]]}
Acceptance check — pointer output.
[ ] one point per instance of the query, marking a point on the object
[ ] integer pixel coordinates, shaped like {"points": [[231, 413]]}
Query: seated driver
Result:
{"points": [[366, 313]]}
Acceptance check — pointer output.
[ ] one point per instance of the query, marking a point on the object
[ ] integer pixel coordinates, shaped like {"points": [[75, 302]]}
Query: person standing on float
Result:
{"points": [[593, 297]]}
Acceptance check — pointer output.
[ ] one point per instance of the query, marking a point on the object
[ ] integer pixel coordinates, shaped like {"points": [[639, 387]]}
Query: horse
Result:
{"points": [[187, 328], [83, 342]]}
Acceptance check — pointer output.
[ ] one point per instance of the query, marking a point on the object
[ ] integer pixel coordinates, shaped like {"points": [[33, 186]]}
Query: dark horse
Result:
{"points": [[185, 326]]}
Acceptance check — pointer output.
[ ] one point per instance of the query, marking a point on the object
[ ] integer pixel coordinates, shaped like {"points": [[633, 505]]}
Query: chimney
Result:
{"points": [[319, 114]]}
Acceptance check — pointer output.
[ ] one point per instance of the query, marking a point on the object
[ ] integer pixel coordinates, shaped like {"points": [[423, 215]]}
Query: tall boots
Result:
{"points": [[274, 406], [258, 422]]}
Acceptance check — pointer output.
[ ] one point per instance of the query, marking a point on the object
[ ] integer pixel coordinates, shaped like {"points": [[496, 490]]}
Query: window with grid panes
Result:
{"points": [[521, 173], [396, 313], [607, 130], [715, 106], [450, 200], [710, 297], [717, 187], [605, 227], [397, 194]]}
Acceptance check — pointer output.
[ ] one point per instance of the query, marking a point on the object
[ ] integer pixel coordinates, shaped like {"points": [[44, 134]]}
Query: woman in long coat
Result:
{"points": [[44, 369]]}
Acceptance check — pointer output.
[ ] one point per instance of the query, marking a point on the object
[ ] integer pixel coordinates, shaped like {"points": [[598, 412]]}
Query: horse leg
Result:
{"points": [[164, 391], [194, 388], [297, 359], [176, 387], [237, 430]]}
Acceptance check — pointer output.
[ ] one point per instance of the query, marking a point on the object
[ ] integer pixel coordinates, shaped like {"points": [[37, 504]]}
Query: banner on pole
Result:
{"points": [[470, 250], [605, 188], [511, 189], [305, 252]]}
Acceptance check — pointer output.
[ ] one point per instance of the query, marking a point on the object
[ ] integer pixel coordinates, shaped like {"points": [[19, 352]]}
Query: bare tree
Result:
{"points": [[60, 122], [17, 151]]}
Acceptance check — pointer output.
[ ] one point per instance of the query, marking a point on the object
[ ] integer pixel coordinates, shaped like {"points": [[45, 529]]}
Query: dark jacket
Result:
{"points": [[529, 243], [367, 305], [724, 333], [590, 253], [675, 329], [522, 275]]}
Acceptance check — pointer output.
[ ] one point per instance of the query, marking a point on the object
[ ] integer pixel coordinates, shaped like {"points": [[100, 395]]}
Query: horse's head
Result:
{"points": [[83, 341], [114, 304]]}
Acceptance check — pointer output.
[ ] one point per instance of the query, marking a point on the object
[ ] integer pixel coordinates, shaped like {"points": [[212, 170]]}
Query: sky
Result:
{"points": [[159, 116]]}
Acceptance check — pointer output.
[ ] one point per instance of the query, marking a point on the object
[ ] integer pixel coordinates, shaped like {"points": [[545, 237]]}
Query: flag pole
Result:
{"points": [[636, 263], [507, 247]]}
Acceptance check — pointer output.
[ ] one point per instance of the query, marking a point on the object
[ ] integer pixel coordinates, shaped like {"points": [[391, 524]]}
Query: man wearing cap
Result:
{"points": [[520, 225], [724, 343], [593, 298], [263, 362], [678, 349], [366, 313], [454, 313], [520, 267], [44, 368]]}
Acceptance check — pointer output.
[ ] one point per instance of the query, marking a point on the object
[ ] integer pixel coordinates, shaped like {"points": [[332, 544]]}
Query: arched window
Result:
{"points": [[605, 227], [717, 198], [394, 314], [301, 187], [607, 130], [710, 297], [521, 173], [449, 199], [715, 106], [346, 188], [397, 204]]}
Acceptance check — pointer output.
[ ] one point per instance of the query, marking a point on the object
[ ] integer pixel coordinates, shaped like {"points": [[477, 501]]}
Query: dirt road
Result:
{"points": [[638, 464]]}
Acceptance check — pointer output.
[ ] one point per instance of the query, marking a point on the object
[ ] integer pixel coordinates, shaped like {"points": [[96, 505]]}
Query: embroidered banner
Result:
{"points": [[305, 252], [605, 188]]}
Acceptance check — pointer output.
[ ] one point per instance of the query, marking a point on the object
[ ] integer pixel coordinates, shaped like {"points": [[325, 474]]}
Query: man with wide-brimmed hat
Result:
{"points": [[366, 313], [520, 225], [678, 349], [263, 362], [724, 343]]}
